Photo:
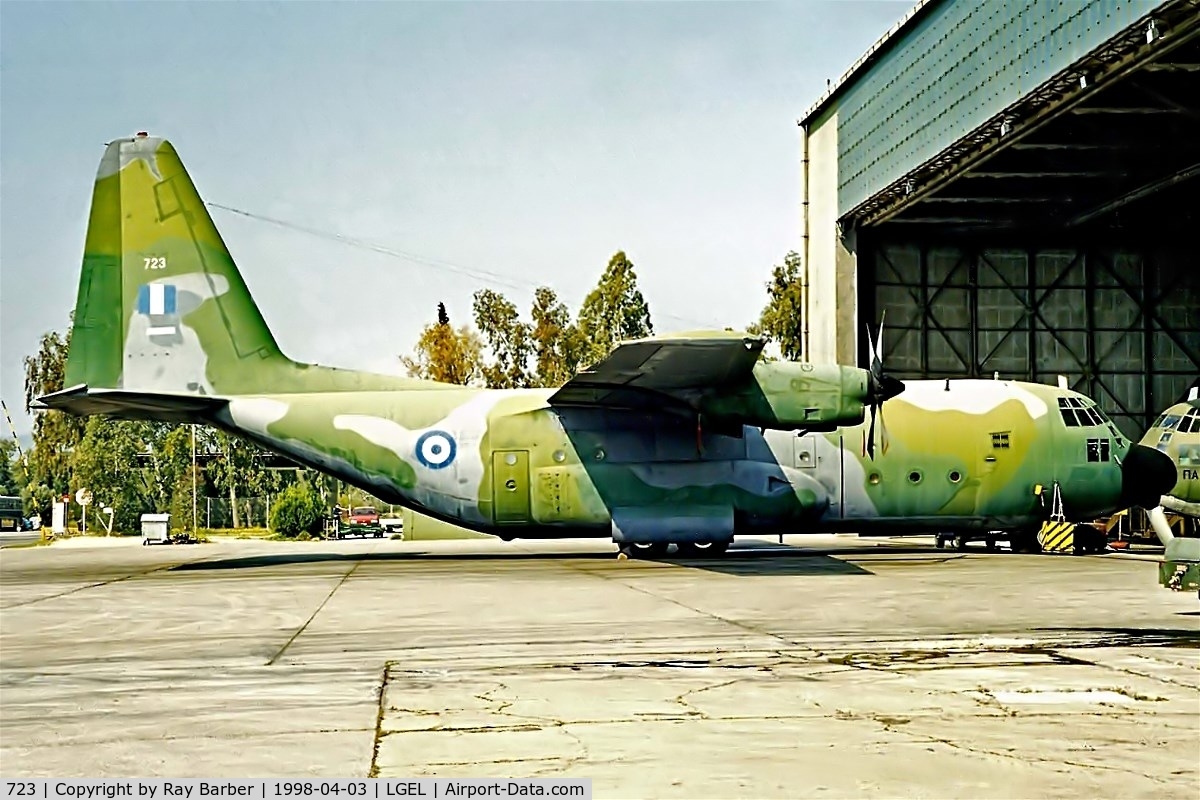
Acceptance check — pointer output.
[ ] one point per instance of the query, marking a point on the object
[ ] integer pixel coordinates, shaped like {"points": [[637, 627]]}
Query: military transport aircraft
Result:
{"points": [[1177, 433], [688, 439]]}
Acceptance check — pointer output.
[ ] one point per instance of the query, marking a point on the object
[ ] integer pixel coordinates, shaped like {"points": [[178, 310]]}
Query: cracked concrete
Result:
{"points": [[836, 668]]}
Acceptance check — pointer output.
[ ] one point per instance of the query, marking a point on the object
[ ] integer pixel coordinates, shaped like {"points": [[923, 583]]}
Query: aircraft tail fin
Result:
{"points": [[161, 305]]}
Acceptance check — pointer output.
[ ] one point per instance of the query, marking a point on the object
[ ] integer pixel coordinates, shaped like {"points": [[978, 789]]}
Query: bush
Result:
{"points": [[298, 510]]}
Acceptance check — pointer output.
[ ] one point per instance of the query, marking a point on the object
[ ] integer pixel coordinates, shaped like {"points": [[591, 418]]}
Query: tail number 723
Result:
{"points": [[155, 262]]}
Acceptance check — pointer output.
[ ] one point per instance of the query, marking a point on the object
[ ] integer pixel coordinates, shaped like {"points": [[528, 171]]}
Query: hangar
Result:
{"points": [[1014, 185]]}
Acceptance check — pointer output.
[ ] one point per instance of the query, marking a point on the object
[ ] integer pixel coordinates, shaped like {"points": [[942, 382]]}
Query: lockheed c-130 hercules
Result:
{"points": [[1177, 434], [687, 440]]}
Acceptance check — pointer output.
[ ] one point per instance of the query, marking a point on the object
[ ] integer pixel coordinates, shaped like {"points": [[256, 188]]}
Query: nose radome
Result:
{"points": [[1146, 475]]}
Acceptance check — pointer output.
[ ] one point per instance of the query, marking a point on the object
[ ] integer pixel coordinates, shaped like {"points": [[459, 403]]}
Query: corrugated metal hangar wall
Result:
{"points": [[1014, 186]]}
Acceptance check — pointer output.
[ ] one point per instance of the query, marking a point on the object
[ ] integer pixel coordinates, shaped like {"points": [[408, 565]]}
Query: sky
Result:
{"points": [[495, 145]]}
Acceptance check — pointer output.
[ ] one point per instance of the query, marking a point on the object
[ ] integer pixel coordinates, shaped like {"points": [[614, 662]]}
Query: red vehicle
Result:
{"points": [[364, 515]]}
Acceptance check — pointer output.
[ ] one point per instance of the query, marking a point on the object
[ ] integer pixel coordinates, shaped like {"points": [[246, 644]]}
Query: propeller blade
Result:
{"points": [[875, 366], [883, 437], [871, 435], [877, 353]]}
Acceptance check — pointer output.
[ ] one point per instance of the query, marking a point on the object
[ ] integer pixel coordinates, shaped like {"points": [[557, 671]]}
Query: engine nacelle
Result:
{"points": [[791, 395]]}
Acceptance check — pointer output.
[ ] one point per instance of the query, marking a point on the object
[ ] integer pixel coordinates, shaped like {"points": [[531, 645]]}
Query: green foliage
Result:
{"points": [[105, 461], [8, 468], [614, 311], [445, 354], [544, 352], [782, 320], [508, 340], [236, 471], [298, 510], [55, 434], [557, 342]]}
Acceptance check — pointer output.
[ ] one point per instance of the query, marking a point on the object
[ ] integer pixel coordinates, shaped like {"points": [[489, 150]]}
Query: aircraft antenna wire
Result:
{"points": [[487, 276]]}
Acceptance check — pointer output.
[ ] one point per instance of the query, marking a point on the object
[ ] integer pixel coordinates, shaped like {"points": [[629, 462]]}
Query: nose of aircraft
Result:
{"points": [[1146, 475]]}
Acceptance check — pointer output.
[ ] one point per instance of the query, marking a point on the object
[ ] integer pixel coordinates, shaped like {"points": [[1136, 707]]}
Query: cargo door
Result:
{"points": [[510, 486]]}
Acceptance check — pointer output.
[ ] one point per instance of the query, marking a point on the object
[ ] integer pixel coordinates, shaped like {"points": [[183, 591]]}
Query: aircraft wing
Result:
{"points": [[644, 373]]}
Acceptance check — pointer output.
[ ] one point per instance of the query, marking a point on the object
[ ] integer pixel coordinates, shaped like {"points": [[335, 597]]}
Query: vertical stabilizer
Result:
{"points": [[161, 305]]}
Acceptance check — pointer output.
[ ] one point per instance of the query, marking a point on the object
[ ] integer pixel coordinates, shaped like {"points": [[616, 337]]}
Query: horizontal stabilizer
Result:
{"points": [[132, 405]]}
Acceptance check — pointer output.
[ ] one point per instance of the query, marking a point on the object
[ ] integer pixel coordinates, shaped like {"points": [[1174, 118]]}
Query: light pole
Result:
{"points": [[193, 478]]}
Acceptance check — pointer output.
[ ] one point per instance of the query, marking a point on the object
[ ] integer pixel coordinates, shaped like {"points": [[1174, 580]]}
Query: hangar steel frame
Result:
{"points": [[1119, 324]]}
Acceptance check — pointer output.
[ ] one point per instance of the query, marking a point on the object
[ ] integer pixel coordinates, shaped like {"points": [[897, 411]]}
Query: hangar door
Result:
{"points": [[1122, 325]]}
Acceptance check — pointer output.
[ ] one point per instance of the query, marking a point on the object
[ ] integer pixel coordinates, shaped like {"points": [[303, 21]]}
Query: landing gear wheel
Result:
{"points": [[1025, 542], [939, 543], [702, 549], [648, 549], [990, 543], [960, 543]]}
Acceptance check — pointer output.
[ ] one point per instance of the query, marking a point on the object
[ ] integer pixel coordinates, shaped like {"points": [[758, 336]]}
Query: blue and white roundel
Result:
{"points": [[436, 449]]}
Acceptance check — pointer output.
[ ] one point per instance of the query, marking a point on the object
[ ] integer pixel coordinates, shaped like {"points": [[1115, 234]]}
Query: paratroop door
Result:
{"points": [[510, 485]]}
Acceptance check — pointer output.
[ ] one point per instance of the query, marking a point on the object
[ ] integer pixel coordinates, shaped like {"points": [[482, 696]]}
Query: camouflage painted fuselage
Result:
{"points": [[1177, 433], [967, 455]]}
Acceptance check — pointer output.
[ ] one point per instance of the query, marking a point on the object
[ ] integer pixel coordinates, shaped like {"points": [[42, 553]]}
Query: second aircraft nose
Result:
{"points": [[1146, 475]]}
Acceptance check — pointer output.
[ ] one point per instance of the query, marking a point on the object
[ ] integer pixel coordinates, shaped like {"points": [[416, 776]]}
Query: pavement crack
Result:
{"points": [[97, 585], [1022, 756], [313, 616], [381, 693], [682, 699], [711, 615]]}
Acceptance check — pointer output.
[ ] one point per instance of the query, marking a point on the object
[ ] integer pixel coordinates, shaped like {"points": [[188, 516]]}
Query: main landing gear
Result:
{"points": [[651, 550]]}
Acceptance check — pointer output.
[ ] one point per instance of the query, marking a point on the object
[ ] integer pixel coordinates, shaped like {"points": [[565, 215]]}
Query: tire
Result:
{"points": [[703, 549], [648, 549]]}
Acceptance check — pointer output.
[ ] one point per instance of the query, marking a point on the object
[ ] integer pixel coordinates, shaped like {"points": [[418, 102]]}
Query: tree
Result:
{"points": [[299, 509], [106, 462], [236, 471], [445, 354], [55, 434], [782, 319], [557, 343], [614, 311], [8, 464], [508, 339]]}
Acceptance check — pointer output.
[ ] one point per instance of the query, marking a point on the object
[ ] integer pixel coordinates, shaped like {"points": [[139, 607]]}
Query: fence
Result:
{"points": [[252, 512]]}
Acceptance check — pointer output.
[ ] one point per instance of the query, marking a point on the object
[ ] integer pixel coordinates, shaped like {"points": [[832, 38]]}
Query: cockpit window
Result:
{"points": [[1078, 413], [1171, 421], [1190, 422], [1098, 449]]}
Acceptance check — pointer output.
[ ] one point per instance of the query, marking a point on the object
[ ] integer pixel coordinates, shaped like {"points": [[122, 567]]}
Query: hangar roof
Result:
{"points": [[958, 81], [866, 60]]}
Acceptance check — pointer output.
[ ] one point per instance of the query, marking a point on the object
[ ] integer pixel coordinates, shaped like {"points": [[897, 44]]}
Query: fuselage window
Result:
{"points": [[1098, 449]]}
